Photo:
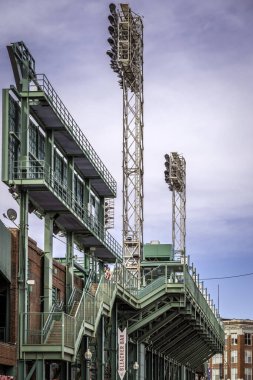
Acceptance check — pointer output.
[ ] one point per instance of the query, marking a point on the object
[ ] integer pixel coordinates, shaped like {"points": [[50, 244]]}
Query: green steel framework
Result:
{"points": [[51, 169], [126, 55]]}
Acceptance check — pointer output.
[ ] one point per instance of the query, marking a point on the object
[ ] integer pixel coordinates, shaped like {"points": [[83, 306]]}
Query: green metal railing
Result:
{"points": [[75, 296], [39, 170], [64, 330], [59, 333], [41, 83], [168, 275]]}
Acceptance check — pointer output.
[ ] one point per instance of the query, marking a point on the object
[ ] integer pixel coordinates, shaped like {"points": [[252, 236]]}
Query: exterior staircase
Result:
{"points": [[93, 288], [55, 333], [74, 308]]}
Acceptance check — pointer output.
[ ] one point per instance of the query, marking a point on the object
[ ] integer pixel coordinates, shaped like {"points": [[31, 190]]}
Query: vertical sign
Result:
{"points": [[121, 353]]}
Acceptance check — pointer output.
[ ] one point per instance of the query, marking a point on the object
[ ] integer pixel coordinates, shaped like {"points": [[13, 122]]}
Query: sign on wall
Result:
{"points": [[121, 353]]}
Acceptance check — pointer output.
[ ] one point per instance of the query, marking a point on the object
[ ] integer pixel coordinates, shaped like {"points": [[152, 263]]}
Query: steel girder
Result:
{"points": [[175, 338], [151, 313], [152, 330]]}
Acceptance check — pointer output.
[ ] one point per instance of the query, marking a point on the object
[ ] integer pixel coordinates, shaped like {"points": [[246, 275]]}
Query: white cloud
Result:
{"points": [[198, 83]]}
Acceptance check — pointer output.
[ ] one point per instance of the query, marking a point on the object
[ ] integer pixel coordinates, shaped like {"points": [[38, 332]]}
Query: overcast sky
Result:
{"points": [[198, 92]]}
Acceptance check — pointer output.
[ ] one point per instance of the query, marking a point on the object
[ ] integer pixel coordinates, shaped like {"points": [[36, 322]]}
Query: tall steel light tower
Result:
{"points": [[175, 177], [126, 55]]}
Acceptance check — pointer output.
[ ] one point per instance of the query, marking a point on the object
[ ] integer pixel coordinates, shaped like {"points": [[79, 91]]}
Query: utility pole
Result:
{"points": [[126, 55]]}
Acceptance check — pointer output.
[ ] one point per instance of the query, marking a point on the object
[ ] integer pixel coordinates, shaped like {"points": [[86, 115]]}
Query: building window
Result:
{"points": [[233, 338], [217, 359], [233, 373], [215, 374], [248, 356], [55, 295], [234, 356], [247, 339], [247, 374]]}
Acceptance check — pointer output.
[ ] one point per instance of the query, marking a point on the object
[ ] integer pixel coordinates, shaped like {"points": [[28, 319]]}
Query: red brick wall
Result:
{"points": [[7, 354], [14, 287], [35, 257], [59, 279], [240, 347]]}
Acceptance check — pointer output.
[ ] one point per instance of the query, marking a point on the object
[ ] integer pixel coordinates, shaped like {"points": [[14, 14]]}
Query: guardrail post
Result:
{"points": [[62, 333]]}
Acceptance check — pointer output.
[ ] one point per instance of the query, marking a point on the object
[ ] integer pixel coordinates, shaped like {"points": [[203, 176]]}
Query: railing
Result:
{"points": [[79, 319], [61, 329], [166, 274], [88, 280], [39, 170], [56, 307], [60, 332], [204, 301], [90, 309], [75, 296], [41, 83]]}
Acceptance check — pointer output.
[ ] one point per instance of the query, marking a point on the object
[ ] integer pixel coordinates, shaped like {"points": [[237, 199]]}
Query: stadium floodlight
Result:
{"points": [[175, 177], [126, 53]]}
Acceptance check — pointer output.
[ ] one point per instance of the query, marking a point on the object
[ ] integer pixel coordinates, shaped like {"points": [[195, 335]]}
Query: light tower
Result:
{"points": [[126, 55], [175, 177]]}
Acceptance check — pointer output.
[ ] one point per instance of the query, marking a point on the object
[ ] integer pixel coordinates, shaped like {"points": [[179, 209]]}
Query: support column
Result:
{"points": [[113, 352], [23, 252], [48, 262], [40, 369], [100, 349], [69, 265], [49, 149]]}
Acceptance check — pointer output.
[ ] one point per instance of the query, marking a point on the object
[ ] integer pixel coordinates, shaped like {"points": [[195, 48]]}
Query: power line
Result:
{"points": [[225, 277]]}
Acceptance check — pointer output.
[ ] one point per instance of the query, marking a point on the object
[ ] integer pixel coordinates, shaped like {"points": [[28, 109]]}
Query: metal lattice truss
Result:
{"points": [[127, 61], [175, 176]]}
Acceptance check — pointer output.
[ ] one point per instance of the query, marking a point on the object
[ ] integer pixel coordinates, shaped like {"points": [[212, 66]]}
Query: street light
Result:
{"points": [[136, 367], [88, 357]]}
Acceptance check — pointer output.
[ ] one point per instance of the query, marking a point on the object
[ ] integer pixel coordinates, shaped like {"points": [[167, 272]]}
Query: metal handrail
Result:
{"points": [[75, 295], [172, 277], [39, 169], [41, 83], [56, 307]]}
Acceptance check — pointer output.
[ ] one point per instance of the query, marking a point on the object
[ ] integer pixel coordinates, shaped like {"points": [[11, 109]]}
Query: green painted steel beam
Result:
{"points": [[187, 341], [198, 356], [169, 331], [5, 135], [48, 262], [183, 354], [149, 318], [157, 326], [182, 332]]}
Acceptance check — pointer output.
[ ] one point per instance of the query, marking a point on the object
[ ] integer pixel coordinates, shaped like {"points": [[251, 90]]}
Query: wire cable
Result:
{"points": [[226, 277]]}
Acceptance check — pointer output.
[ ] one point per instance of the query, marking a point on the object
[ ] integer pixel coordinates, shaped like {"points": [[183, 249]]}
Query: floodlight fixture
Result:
{"points": [[175, 177], [112, 7], [11, 214], [126, 53]]}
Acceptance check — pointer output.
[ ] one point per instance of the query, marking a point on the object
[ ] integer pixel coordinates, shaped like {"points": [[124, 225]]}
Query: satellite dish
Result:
{"points": [[11, 214]]}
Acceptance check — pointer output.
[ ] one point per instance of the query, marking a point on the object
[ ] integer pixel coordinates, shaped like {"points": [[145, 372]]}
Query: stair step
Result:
{"points": [[74, 308], [93, 288]]}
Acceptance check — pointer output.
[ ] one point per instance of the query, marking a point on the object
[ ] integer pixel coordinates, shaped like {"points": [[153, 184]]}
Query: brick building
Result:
{"points": [[9, 318], [236, 361]]}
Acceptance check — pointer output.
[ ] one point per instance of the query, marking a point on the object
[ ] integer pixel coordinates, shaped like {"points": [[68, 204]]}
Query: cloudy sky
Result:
{"points": [[198, 91]]}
